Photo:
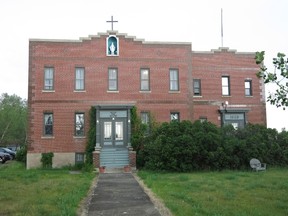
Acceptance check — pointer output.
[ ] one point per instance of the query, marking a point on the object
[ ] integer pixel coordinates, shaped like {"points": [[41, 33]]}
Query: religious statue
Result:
{"points": [[112, 49]]}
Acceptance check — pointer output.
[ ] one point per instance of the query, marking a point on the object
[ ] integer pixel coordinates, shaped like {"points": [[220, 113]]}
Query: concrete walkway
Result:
{"points": [[120, 194]]}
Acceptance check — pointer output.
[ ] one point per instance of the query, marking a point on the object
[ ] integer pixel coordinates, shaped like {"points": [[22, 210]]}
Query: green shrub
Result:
{"points": [[186, 146], [46, 160], [21, 154]]}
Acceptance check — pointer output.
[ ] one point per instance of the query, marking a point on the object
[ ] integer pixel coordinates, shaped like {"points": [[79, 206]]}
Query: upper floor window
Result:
{"points": [[113, 79], [248, 87], [79, 124], [174, 80], [145, 79], [48, 78], [79, 79], [225, 86], [197, 87], [48, 124]]}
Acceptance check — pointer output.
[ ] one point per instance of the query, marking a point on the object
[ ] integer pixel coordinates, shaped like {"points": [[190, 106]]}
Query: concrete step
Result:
{"points": [[114, 157]]}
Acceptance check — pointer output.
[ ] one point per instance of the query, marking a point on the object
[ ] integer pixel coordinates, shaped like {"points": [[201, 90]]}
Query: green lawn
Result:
{"points": [[222, 193], [41, 192]]}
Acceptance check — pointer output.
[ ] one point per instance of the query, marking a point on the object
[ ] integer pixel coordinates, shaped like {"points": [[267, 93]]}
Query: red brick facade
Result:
{"points": [[90, 53]]}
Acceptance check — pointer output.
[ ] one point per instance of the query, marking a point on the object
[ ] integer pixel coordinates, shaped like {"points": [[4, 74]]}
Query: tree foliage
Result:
{"points": [[279, 77], [13, 120]]}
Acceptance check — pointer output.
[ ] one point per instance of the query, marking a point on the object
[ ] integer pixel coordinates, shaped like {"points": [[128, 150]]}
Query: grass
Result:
{"points": [[41, 192], [222, 193]]}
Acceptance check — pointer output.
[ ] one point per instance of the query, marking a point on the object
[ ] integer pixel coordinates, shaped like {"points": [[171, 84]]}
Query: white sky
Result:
{"points": [[248, 26]]}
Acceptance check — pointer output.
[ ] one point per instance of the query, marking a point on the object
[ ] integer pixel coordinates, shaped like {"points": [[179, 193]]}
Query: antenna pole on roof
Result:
{"points": [[221, 27]]}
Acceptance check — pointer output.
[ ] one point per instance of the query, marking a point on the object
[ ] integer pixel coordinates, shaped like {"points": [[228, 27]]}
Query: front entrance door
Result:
{"points": [[113, 132]]}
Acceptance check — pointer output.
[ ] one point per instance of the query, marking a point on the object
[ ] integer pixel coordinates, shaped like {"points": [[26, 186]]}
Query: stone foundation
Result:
{"points": [[59, 160]]}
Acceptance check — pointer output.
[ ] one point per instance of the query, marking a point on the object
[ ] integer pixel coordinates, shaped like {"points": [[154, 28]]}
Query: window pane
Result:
{"points": [[79, 79], [247, 84], [119, 130], [173, 75], [112, 75], [48, 78], [224, 81], [197, 87], [145, 85], [79, 85], [175, 116], [144, 74], [79, 124], [174, 80], [144, 117], [196, 84], [248, 88], [48, 124], [225, 91], [173, 85], [225, 86], [107, 130], [79, 158], [112, 85]]}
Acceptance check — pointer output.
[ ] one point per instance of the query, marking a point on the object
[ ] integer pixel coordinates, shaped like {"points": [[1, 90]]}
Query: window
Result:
{"points": [[174, 80], [79, 124], [248, 87], [79, 158], [79, 79], [144, 117], [113, 82], [48, 124], [197, 87], [145, 77], [225, 86], [237, 120], [175, 116], [49, 78], [203, 119]]}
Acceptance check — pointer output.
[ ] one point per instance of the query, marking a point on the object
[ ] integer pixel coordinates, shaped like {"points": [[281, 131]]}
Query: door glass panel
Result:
{"points": [[118, 130], [107, 130]]}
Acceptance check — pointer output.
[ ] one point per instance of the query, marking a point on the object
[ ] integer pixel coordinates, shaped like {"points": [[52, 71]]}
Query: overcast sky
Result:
{"points": [[248, 26]]}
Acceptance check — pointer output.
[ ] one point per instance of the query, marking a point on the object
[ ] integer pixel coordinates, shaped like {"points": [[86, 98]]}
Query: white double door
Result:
{"points": [[113, 132]]}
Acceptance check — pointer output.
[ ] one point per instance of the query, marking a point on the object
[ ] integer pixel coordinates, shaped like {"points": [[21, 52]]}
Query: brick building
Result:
{"points": [[114, 72]]}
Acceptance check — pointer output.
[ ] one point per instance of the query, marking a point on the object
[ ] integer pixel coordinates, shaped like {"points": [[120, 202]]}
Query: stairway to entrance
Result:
{"points": [[114, 157]]}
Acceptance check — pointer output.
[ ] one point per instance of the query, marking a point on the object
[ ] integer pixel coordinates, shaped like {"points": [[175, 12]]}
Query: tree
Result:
{"points": [[13, 119], [279, 77]]}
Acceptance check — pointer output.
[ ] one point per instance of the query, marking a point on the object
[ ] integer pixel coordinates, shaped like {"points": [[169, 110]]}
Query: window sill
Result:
{"points": [[147, 92], [48, 91], [112, 91], [249, 96], [197, 96], [80, 91], [174, 92], [47, 137], [79, 137], [226, 96]]}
